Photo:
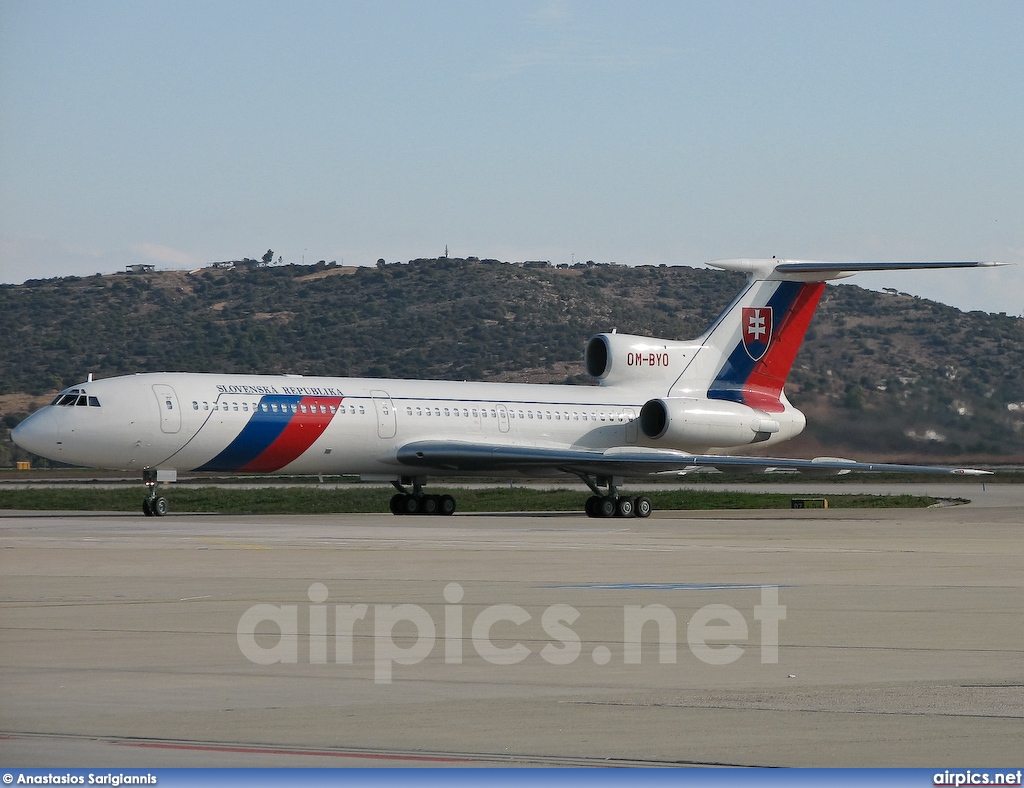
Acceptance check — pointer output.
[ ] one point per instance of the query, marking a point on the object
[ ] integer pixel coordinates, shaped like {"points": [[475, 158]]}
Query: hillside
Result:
{"points": [[879, 375]]}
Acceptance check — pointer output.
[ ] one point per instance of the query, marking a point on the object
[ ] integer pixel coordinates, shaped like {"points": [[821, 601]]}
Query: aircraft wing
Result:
{"points": [[462, 456]]}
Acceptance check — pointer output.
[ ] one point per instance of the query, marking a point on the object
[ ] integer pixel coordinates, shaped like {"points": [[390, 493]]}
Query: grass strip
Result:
{"points": [[313, 500]]}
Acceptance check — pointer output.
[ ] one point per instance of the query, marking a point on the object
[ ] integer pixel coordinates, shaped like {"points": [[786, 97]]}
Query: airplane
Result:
{"points": [[662, 407]]}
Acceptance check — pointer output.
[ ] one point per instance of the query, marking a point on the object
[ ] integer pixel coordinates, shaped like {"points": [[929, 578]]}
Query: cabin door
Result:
{"points": [[387, 420], [170, 415]]}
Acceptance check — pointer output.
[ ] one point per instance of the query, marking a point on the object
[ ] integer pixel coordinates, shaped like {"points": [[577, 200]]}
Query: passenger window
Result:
{"points": [[195, 405], [558, 417], [446, 413], [170, 405], [245, 407], [362, 410], [332, 408], [234, 406], [408, 411], [302, 408], [419, 411]]}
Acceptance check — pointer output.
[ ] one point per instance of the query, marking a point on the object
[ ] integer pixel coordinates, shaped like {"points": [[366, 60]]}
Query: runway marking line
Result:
{"points": [[286, 751], [226, 543]]}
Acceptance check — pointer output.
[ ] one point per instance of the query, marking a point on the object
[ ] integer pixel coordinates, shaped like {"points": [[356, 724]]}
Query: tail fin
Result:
{"points": [[747, 353]]}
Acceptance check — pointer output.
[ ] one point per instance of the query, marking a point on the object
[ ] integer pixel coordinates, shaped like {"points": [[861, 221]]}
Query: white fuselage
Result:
{"points": [[188, 421]]}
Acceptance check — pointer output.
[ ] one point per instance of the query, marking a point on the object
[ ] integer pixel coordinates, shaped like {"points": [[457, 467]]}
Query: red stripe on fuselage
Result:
{"points": [[302, 430], [763, 388]]}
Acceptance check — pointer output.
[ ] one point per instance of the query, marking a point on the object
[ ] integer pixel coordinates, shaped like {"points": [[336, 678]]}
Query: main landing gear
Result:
{"points": [[612, 504], [418, 502], [600, 504], [154, 505]]}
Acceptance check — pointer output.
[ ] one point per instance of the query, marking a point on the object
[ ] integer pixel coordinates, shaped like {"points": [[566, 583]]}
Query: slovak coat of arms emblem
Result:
{"points": [[757, 328]]}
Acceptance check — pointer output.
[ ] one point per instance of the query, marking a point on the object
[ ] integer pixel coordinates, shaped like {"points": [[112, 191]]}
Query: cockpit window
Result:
{"points": [[76, 397]]}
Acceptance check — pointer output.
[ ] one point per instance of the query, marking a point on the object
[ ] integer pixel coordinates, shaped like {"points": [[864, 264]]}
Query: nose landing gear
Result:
{"points": [[154, 505]]}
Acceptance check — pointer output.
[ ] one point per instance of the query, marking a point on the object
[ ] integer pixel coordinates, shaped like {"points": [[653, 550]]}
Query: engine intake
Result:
{"points": [[625, 359], [698, 424]]}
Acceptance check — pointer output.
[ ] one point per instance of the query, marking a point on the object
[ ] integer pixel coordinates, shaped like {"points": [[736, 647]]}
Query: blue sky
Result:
{"points": [[179, 133]]}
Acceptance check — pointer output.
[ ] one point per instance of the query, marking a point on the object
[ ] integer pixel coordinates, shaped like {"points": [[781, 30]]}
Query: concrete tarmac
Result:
{"points": [[516, 640]]}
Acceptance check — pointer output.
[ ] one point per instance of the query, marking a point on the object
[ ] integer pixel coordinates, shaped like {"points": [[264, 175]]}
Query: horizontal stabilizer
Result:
{"points": [[813, 270]]}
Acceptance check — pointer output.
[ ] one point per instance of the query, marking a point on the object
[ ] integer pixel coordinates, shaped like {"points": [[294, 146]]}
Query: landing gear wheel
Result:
{"points": [[147, 507], [605, 506], [409, 504], [642, 507], [624, 507], [159, 506], [446, 505], [591, 506], [429, 504], [395, 504]]}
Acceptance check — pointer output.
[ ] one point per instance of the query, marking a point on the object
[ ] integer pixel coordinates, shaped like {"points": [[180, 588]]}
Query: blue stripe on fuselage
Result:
{"points": [[262, 429]]}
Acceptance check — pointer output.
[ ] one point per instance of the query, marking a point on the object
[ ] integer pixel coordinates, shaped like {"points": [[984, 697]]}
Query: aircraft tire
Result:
{"points": [[395, 504], [446, 505], [147, 507], [159, 506], [605, 506], [429, 504], [624, 508], [591, 506], [409, 504], [642, 506]]}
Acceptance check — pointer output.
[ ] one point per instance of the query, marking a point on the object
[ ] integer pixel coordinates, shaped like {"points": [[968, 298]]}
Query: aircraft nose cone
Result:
{"points": [[34, 435]]}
